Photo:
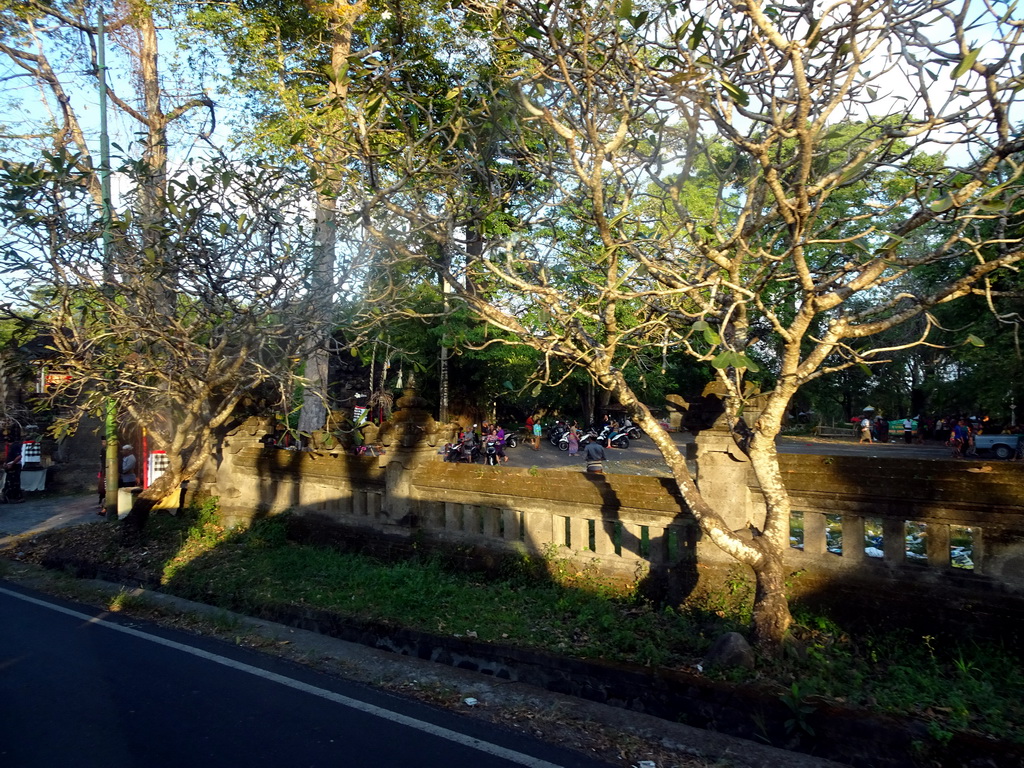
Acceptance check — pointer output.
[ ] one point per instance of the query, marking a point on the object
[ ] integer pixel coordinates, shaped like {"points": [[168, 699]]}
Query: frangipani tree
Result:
{"points": [[754, 184]]}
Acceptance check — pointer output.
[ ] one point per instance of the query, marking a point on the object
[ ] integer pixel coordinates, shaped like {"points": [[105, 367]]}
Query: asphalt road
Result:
{"points": [[82, 688]]}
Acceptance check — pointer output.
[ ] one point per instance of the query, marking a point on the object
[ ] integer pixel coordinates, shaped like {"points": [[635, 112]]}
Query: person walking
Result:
{"points": [[500, 434], [959, 438], [908, 431], [537, 432], [574, 440], [12, 493], [865, 430]]}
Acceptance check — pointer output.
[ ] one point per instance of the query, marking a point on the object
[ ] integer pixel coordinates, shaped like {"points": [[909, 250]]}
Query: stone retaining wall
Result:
{"points": [[629, 526]]}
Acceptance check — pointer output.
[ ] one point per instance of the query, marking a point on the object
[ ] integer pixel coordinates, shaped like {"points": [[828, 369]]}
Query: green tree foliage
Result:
{"points": [[318, 83], [713, 181]]}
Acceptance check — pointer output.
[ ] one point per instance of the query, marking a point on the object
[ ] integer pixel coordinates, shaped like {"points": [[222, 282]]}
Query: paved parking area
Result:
{"points": [[42, 512], [642, 458]]}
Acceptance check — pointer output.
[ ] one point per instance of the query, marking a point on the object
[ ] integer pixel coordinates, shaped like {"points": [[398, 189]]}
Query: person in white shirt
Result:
{"points": [[128, 477]]}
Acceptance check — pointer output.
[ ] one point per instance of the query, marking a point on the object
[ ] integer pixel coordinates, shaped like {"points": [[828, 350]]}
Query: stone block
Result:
{"points": [[538, 529], [894, 537], [579, 534], [604, 537], [815, 542], [658, 542], [631, 540], [453, 517], [937, 545], [344, 502], [491, 522], [126, 499], [471, 522], [853, 538], [511, 523]]}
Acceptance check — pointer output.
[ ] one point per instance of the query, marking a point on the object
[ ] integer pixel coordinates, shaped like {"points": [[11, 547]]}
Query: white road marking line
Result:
{"points": [[410, 722]]}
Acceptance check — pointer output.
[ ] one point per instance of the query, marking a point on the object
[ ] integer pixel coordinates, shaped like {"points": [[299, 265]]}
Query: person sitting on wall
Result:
{"points": [[594, 455]]}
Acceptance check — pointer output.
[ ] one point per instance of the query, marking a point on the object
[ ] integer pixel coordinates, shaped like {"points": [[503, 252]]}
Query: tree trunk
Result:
{"points": [[343, 15], [136, 519], [771, 607], [764, 555], [588, 399], [321, 300], [772, 618]]}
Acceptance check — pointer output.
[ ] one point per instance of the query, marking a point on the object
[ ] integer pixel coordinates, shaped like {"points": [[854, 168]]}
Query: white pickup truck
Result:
{"points": [[1002, 446]]}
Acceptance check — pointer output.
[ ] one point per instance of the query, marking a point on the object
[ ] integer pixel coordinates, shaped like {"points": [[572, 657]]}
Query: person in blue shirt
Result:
{"points": [[960, 437], [594, 455]]}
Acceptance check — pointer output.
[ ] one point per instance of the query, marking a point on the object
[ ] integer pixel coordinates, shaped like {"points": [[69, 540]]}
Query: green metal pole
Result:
{"points": [[111, 464], [112, 471]]}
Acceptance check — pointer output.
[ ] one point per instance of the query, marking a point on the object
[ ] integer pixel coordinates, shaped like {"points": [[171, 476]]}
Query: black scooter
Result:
{"points": [[491, 453], [461, 452]]}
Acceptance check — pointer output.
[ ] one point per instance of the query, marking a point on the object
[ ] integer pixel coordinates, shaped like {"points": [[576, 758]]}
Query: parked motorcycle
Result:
{"points": [[616, 437], [620, 441], [585, 436], [631, 430], [461, 451], [511, 440], [559, 430]]}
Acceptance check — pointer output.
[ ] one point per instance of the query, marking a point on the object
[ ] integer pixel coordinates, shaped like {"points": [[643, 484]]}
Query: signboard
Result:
{"points": [[31, 452], [896, 425], [156, 465]]}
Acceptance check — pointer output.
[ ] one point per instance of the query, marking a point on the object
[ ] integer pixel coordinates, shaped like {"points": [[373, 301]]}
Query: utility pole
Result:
{"points": [[111, 472]]}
